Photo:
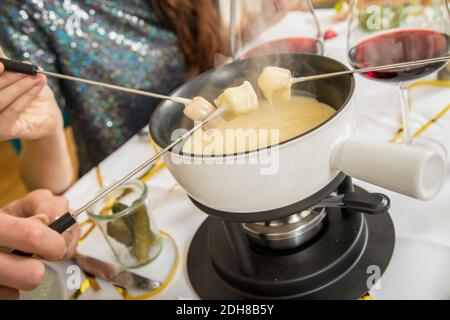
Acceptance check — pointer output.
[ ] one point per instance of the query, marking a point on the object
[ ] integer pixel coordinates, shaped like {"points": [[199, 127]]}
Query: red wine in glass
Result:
{"points": [[400, 46], [287, 45]]}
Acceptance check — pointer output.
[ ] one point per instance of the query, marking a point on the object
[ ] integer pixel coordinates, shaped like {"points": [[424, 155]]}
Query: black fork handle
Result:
{"points": [[19, 67], [59, 225]]}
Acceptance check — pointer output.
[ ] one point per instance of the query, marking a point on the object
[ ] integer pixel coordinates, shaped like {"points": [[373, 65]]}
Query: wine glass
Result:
{"points": [[261, 27], [385, 32]]}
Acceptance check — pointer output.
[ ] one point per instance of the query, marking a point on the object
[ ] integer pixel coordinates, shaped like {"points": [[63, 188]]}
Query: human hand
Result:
{"points": [[28, 109], [45, 207], [23, 226]]}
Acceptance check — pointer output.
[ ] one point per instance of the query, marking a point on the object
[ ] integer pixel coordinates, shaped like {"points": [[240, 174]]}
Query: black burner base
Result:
{"points": [[335, 265]]}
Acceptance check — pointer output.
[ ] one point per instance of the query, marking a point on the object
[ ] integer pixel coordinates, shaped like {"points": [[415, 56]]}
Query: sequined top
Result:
{"points": [[119, 42]]}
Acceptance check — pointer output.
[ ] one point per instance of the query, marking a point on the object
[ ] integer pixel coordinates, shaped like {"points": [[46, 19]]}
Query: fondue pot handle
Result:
{"points": [[370, 203], [412, 171]]}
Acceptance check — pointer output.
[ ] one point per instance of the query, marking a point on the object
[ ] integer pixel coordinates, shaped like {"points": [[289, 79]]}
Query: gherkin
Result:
{"points": [[133, 231], [143, 236], [121, 229]]}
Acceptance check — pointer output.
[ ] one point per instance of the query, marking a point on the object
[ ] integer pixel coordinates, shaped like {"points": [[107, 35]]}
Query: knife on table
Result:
{"points": [[120, 278]]}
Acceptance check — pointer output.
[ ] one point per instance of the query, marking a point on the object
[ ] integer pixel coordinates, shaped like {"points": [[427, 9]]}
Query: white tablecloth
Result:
{"points": [[420, 267]]}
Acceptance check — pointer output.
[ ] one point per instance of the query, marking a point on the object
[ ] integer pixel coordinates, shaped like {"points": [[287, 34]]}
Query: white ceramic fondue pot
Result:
{"points": [[299, 172]]}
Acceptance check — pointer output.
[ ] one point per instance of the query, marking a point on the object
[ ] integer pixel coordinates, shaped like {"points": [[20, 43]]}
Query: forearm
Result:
{"points": [[45, 163]]}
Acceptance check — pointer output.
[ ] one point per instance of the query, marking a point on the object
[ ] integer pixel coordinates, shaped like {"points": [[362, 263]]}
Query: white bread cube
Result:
{"points": [[239, 100], [199, 109], [276, 82]]}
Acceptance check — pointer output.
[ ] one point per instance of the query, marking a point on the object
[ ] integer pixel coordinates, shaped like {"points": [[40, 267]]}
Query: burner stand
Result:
{"points": [[335, 264]]}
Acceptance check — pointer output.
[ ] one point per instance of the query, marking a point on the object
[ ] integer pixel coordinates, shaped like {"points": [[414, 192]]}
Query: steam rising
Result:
{"points": [[250, 70]]}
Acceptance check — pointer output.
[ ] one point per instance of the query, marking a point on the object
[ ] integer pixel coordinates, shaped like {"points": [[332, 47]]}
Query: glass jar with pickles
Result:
{"points": [[126, 222]]}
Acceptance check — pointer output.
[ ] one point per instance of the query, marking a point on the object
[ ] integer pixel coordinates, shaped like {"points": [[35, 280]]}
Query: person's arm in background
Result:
{"points": [[44, 158], [45, 162], [28, 111]]}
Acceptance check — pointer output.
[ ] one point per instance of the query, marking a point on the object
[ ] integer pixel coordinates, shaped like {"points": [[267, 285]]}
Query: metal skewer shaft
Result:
{"points": [[31, 69], [114, 87], [147, 163], [371, 69]]}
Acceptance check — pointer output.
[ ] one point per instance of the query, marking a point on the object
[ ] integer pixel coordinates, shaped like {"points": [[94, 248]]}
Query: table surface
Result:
{"points": [[421, 262]]}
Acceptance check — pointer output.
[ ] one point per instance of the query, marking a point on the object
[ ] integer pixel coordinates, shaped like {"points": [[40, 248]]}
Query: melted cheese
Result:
{"points": [[258, 129]]}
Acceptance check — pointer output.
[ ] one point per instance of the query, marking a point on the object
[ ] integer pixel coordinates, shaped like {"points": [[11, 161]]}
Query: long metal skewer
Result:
{"points": [[147, 163], [31, 69], [371, 69], [114, 87]]}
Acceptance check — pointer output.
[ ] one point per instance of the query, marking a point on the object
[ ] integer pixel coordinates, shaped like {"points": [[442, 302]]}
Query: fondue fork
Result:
{"points": [[32, 70], [371, 69], [69, 219]]}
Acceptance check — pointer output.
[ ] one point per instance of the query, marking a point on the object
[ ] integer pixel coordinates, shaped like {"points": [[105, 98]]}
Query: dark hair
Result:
{"points": [[198, 27]]}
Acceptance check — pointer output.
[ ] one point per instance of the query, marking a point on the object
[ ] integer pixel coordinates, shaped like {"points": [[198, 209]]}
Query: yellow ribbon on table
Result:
{"points": [[433, 120], [89, 282], [91, 227], [366, 297]]}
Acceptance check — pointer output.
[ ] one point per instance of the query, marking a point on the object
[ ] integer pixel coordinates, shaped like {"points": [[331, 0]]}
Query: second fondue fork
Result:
{"points": [[371, 69]]}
